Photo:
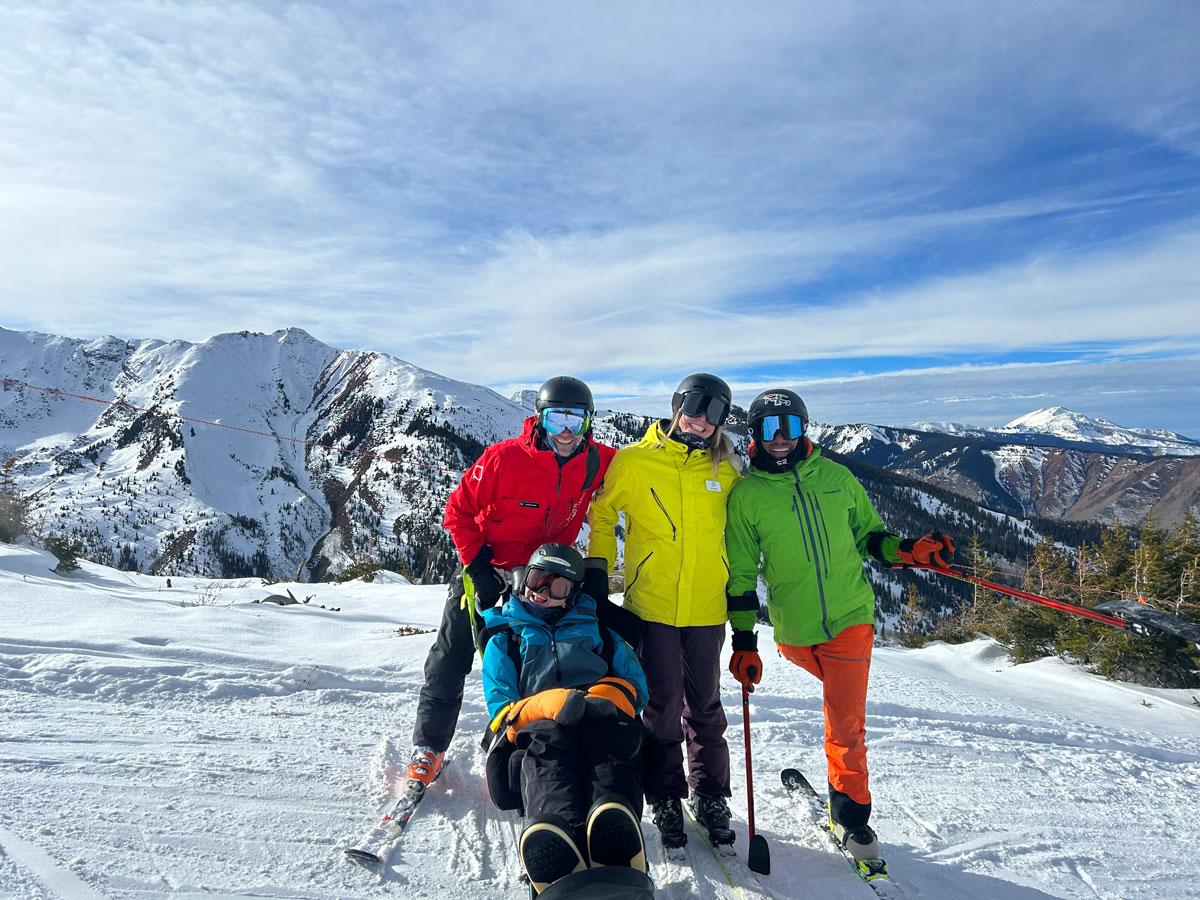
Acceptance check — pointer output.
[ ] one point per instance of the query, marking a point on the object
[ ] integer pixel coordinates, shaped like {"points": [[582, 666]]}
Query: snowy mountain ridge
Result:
{"points": [[326, 455], [279, 456], [1062, 424]]}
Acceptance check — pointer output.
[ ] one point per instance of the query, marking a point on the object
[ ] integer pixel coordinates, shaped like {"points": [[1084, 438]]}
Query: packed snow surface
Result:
{"points": [[185, 741]]}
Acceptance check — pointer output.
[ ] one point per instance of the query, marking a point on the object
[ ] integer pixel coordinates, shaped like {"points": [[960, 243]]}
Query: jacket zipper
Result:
{"points": [[816, 568], [557, 666], [803, 535], [664, 512], [637, 573], [552, 506]]}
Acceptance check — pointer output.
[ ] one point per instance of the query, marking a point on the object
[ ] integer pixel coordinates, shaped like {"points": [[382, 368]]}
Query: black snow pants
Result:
{"points": [[446, 669], [563, 770]]}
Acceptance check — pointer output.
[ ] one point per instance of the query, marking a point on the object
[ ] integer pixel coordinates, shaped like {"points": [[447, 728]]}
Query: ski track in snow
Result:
{"points": [[149, 749]]}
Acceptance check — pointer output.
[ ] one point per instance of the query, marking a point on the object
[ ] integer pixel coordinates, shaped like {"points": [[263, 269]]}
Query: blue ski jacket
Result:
{"points": [[566, 654]]}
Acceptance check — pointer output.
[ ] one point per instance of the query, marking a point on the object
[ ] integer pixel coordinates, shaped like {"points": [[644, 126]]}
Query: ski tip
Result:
{"points": [[362, 856], [790, 775]]}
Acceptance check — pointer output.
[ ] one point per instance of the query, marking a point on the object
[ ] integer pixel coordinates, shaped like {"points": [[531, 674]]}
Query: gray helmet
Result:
{"points": [[557, 559], [563, 390]]}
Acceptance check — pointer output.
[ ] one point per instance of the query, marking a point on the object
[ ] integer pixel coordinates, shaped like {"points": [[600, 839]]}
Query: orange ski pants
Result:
{"points": [[843, 665]]}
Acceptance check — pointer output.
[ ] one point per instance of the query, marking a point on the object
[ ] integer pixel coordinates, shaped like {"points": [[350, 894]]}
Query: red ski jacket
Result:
{"points": [[517, 497]]}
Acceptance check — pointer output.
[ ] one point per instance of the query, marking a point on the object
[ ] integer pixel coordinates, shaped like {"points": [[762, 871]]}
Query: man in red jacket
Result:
{"points": [[522, 492]]}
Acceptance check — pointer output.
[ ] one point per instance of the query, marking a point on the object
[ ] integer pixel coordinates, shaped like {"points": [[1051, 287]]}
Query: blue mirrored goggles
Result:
{"points": [[558, 419], [791, 426]]}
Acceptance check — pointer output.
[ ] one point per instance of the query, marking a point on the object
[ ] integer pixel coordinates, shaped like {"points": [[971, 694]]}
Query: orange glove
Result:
{"points": [[610, 694], [563, 705], [746, 665], [926, 551]]}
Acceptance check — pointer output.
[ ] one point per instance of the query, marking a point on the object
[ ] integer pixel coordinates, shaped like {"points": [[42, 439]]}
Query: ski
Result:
{"points": [[373, 847], [872, 871]]}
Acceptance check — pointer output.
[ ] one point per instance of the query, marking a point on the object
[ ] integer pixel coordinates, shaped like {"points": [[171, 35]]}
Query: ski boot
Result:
{"points": [[614, 835], [712, 814], [548, 852], [425, 765], [848, 825], [667, 816]]}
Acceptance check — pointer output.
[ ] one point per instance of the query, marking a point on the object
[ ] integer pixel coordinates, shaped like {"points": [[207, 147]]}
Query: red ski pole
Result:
{"points": [[1061, 605], [758, 859]]}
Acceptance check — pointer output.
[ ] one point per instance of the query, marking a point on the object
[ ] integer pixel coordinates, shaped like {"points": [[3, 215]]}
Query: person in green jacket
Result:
{"points": [[672, 487], [806, 524]]}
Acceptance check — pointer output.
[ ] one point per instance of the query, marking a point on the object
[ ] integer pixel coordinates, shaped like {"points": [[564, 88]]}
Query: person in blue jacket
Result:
{"points": [[565, 696]]}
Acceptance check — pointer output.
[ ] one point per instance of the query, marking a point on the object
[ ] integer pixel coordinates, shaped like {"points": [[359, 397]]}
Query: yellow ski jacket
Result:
{"points": [[675, 563]]}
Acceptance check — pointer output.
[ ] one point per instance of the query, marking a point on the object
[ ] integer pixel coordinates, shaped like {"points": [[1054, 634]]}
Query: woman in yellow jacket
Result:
{"points": [[672, 486]]}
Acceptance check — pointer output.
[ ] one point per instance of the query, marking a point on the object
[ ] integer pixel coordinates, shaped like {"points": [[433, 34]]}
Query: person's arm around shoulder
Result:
{"points": [[606, 506]]}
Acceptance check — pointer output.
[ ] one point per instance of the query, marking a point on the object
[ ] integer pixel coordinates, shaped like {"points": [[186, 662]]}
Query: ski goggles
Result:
{"points": [[695, 404], [556, 420], [792, 427], [558, 587]]}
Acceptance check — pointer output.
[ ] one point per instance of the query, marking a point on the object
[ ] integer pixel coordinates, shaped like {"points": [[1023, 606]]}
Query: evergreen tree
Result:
{"points": [[66, 550], [911, 631], [14, 506]]}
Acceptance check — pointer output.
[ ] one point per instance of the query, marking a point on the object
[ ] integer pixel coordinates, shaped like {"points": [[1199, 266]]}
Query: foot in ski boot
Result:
{"points": [[425, 765], [614, 835], [861, 841], [548, 852], [667, 816], [712, 814]]}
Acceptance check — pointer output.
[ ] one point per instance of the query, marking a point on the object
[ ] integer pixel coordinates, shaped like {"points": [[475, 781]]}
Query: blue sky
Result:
{"points": [[929, 201]]}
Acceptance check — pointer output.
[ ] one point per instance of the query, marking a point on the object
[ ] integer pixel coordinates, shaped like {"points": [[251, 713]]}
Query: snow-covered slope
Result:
{"points": [[325, 455], [185, 741]]}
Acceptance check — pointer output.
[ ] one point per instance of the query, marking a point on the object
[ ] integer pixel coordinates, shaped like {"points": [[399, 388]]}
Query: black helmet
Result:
{"points": [[563, 390], [557, 559], [775, 402], [710, 398]]}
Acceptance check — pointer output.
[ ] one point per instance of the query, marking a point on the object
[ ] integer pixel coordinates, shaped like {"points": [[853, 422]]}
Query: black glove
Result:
{"points": [[489, 584], [595, 578], [625, 622]]}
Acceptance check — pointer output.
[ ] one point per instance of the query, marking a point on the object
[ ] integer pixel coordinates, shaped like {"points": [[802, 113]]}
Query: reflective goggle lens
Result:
{"points": [[559, 587], [713, 409], [791, 426], [558, 420]]}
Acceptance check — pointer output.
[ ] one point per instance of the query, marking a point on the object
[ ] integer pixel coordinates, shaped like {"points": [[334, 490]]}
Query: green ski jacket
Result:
{"points": [[807, 531]]}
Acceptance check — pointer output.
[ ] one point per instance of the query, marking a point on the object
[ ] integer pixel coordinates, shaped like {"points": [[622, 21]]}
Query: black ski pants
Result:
{"points": [[446, 669], [564, 770], [683, 671]]}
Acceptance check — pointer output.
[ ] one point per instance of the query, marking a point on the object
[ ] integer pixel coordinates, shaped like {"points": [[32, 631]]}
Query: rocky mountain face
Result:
{"points": [[275, 455], [1026, 474], [248, 454]]}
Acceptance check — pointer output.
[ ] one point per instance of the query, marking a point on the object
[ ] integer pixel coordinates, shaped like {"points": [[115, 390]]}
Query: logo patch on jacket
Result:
{"points": [[528, 504]]}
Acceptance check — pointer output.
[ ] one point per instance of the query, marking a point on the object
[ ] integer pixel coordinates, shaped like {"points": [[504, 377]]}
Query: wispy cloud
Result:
{"points": [[617, 191]]}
